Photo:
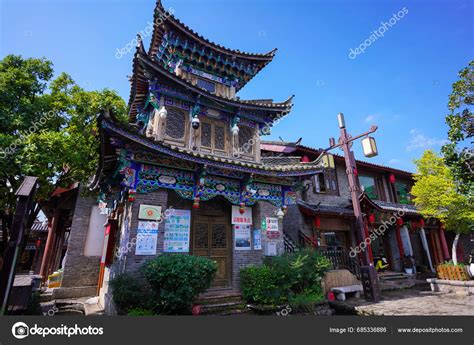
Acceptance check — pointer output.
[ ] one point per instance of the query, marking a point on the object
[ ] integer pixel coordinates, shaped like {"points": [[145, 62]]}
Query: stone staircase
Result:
{"points": [[221, 303], [396, 280]]}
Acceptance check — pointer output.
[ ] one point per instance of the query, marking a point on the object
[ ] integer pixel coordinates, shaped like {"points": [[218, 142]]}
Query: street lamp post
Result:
{"points": [[368, 272]]}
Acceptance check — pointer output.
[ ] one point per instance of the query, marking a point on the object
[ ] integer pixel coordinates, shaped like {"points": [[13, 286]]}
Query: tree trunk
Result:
{"points": [[454, 249]]}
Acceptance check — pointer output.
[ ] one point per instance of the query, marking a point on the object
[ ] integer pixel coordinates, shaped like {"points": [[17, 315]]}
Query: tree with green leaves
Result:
{"points": [[436, 195], [47, 129], [458, 152]]}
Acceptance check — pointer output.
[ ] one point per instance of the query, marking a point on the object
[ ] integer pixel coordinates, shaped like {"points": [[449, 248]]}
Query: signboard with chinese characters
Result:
{"points": [[272, 227], [241, 218], [149, 212], [177, 227], [242, 237], [147, 236], [257, 239]]}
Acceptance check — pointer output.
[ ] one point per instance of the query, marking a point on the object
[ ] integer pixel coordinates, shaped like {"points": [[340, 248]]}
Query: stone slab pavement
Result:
{"points": [[409, 302]]}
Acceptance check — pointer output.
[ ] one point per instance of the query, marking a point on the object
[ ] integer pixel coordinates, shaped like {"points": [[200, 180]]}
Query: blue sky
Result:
{"points": [[401, 82]]}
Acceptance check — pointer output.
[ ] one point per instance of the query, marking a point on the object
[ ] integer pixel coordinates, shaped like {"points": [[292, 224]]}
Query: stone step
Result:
{"points": [[46, 296], [220, 308], [218, 298]]}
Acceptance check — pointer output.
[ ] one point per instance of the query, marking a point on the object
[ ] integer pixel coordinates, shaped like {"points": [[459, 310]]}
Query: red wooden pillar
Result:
{"points": [[399, 241], [369, 246], [48, 249], [433, 245], [444, 245]]}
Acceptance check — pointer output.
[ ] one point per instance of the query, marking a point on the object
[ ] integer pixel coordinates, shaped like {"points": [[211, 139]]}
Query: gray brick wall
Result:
{"points": [[80, 270]]}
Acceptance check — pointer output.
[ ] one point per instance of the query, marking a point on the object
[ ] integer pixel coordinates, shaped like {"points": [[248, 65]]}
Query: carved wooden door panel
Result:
{"points": [[211, 238]]}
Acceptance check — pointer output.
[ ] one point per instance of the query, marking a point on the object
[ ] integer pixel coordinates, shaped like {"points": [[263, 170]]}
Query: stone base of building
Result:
{"points": [[456, 286], [74, 292]]}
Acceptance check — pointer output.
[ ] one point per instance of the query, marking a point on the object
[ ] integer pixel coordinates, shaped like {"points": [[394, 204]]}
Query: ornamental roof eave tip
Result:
{"points": [[159, 8]]}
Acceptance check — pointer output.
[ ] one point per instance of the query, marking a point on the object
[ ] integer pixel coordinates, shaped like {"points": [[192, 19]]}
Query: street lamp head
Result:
{"points": [[369, 147], [340, 120]]}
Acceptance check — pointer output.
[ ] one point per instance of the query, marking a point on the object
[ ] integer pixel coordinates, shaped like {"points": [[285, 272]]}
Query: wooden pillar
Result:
{"points": [[369, 246], [438, 249], [49, 246], [433, 246], [444, 245], [399, 242]]}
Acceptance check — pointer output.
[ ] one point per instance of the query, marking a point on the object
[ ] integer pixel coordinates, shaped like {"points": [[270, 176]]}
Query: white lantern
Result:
{"points": [[163, 112], [235, 129], [369, 147], [280, 214]]}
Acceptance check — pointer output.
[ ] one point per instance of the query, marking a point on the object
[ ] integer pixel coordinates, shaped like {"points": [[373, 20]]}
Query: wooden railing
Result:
{"points": [[340, 259]]}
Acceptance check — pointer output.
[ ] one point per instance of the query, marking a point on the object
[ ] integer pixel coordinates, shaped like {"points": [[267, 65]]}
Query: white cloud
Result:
{"points": [[419, 141], [370, 119], [394, 161]]}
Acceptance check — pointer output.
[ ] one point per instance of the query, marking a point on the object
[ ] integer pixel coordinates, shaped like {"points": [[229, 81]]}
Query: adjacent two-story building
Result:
{"points": [[323, 215]]}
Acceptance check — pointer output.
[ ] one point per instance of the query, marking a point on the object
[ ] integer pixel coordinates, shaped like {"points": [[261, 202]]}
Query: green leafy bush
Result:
{"points": [[305, 301], [260, 285], [178, 279], [126, 292], [296, 276], [140, 312]]}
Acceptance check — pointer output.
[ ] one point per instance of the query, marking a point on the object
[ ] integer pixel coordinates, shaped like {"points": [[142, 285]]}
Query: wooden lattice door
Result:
{"points": [[212, 238]]}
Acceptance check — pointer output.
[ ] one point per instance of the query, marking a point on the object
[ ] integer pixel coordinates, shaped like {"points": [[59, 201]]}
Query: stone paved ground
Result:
{"points": [[410, 302]]}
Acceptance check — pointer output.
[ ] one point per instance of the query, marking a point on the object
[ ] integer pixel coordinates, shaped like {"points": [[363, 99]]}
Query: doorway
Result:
{"points": [[212, 238]]}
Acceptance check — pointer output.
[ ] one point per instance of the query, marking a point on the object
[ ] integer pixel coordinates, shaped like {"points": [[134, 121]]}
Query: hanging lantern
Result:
{"points": [[369, 147], [317, 222], [242, 208], [285, 209], [280, 214], [355, 172], [195, 122], [422, 223], [131, 195], [305, 159], [196, 203], [400, 221], [163, 112], [371, 218], [235, 129], [392, 178]]}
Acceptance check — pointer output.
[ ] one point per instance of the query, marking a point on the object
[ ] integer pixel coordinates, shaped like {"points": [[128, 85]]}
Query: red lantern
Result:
{"points": [[131, 195], [355, 172], [400, 221], [196, 203], [422, 223], [371, 218], [331, 296], [242, 208], [317, 222], [392, 178], [305, 159]]}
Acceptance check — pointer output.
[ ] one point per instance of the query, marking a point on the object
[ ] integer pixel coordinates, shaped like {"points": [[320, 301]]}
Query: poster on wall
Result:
{"points": [[242, 237], [272, 227], [147, 237], [149, 212], [177, 226], [241, 218], [257, 239]]}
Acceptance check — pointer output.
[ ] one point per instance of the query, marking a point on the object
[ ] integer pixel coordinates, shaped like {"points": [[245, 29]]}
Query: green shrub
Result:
{"points": [[300, 271], [260, 286], [285, 277], [126, 292], [140, 312], [305, 301], [177, 279]]}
